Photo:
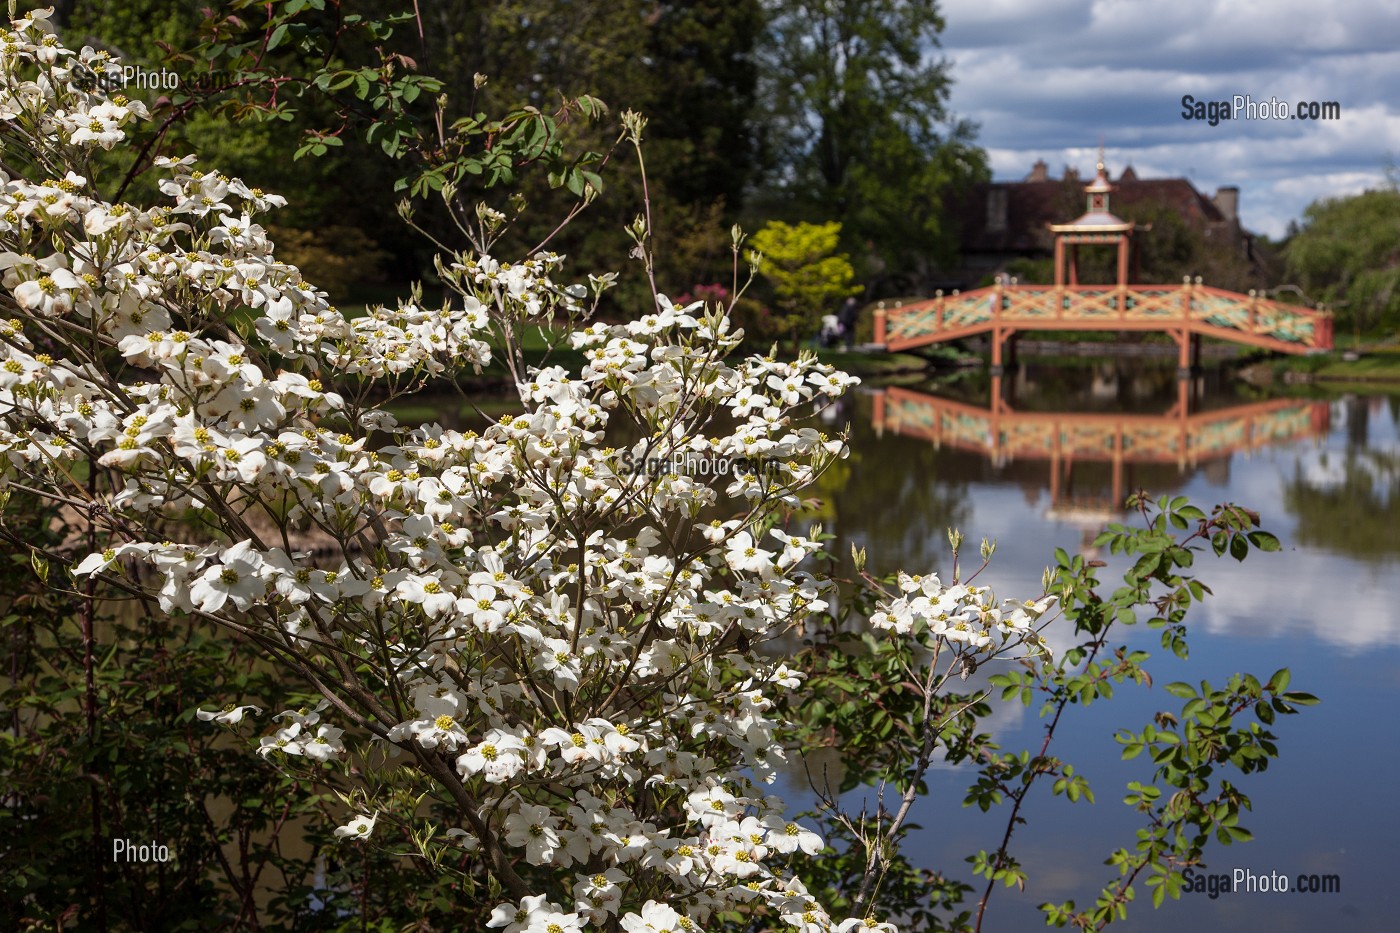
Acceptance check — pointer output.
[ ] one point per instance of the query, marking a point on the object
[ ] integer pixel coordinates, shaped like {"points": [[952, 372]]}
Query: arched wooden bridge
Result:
{"points": [[1062, 438], [1187, 312]]}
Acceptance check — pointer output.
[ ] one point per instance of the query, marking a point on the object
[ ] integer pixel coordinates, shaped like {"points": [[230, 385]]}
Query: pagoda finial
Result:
{"points": [[1100, 165]]}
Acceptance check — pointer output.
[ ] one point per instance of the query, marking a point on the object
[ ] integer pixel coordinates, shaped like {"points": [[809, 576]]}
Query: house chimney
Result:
{"points": [[1071, 173], [1227, 201], [1039, 171]]}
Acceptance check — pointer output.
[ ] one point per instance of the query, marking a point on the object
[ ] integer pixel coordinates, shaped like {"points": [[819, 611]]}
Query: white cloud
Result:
{"points": [[1050, 80]]}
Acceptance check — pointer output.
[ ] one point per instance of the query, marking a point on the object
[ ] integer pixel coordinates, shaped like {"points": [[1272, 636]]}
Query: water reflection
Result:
{"points": [[1042, 461], [1067, 440], [1070, 442], [1348, 502]]}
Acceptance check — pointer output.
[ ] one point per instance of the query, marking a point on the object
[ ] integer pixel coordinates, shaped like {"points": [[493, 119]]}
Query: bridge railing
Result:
{"points": [[1200, 309]]}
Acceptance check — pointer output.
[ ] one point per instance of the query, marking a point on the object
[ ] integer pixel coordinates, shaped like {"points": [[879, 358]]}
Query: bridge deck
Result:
{"points": [[1180, 310]]}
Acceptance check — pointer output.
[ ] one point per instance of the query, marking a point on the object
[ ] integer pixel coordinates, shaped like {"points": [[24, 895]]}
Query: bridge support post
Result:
{"points": [[1188, 353], [1185, 395], [880, 325], [998, 338]]}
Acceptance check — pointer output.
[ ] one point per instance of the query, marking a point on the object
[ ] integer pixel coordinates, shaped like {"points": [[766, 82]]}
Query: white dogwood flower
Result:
{"points": [[236, 578], [229, 715], [361, 827]]}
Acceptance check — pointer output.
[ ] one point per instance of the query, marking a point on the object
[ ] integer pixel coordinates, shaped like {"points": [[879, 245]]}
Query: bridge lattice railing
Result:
{"points": [[1199, 309]]}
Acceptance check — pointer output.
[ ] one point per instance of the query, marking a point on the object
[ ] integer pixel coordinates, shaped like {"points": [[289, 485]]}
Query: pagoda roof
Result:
{"points": [[1100, 182], [1094, 222]]}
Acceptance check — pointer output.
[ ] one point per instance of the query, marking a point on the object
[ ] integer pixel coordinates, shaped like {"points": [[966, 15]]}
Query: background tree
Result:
{"points": [[246, 101], [807, 275], [851, 100], [257, 77], [689, 67], [855, 100], [1347, 255]]}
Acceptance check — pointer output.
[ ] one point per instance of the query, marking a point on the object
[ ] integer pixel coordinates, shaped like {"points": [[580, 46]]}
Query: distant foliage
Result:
{"points": [[855, 98], [336, 258], [808, 276], [1347, 255]]}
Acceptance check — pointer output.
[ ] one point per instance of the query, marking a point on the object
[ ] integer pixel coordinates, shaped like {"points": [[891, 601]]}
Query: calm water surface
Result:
{"points": [[1324, 473]]}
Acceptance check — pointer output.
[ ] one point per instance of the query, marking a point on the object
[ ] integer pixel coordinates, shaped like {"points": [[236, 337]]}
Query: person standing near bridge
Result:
{"points": [[848, 316]]}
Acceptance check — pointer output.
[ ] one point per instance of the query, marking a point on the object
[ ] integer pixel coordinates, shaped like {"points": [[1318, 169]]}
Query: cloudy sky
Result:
{"points": [[1048, 78]]}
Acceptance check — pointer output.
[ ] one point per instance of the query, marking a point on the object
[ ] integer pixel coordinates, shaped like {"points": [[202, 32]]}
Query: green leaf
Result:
{"points": [[1182, 690], [1264, 541], [1301, 699], [277, 36], [1239, 547]]}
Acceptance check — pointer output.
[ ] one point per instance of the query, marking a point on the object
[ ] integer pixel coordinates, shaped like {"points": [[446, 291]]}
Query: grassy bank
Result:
{"points": [[874, 365], [1374, 364]]}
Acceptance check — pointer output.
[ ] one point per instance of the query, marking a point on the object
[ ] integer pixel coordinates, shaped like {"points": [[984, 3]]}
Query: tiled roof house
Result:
{"points": [[1004, 221]]}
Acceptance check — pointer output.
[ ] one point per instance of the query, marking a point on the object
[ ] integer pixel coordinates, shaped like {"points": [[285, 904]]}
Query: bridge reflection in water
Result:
{"points": [[1178, 436]]}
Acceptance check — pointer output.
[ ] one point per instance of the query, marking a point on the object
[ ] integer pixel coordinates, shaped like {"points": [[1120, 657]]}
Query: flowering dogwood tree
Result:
{"points": [[533, 654]]}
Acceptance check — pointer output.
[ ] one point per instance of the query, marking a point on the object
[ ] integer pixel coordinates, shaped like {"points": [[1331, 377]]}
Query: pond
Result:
{"points": [[1040, 462]]}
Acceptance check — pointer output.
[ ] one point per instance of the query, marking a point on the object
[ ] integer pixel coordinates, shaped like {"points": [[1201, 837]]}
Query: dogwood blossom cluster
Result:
{"points": [[577, 653], [965, 616]]}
